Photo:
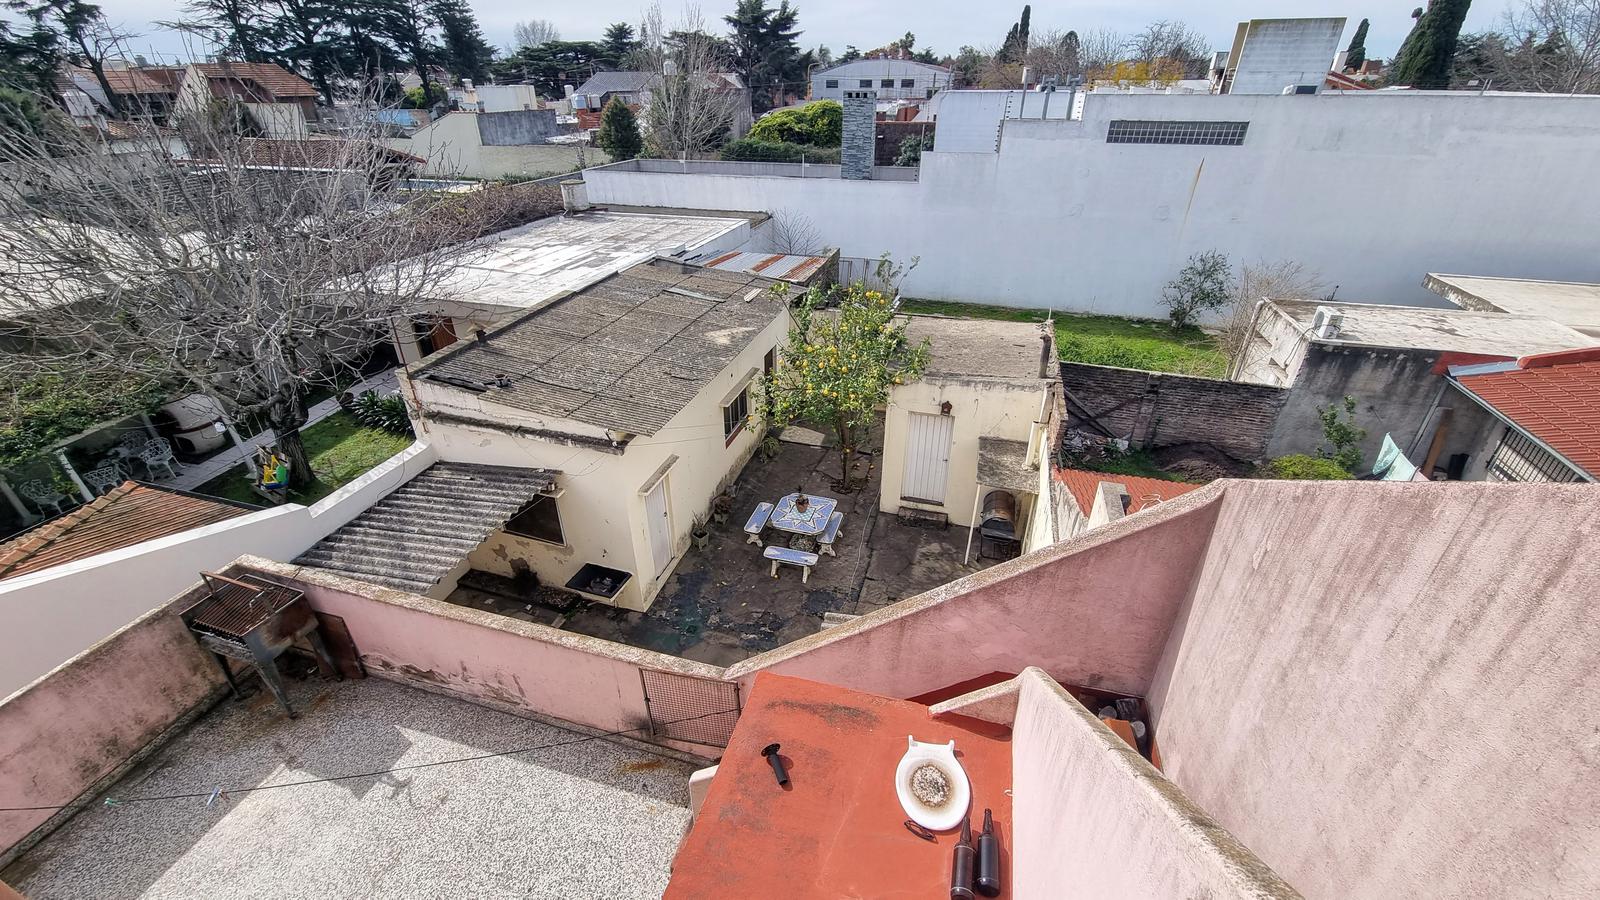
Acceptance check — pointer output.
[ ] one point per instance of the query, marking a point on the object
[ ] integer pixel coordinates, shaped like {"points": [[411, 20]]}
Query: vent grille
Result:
{"points": [[1215, 134]]}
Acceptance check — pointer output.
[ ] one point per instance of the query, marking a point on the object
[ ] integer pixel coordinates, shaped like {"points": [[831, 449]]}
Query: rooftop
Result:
{"points": [[984, 348], [269, 77], [129, 514], [633, 82], [626, 354], [525, 267], [783, 266], [836, 830], [1446, 330], [583, 818], [1572, 303], [1555, 398], [1083, 485]]}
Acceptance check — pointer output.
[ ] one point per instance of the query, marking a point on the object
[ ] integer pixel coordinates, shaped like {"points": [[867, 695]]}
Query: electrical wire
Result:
{"points": [[218, 792]]}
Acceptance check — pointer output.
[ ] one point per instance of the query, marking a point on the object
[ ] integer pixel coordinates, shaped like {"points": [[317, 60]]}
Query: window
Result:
{"points": [[887, 82], [1219, 134], [769, 363], [866, 82], [1518, 458], [734, 416], [908, 82], [541, 521], [832, 82]]}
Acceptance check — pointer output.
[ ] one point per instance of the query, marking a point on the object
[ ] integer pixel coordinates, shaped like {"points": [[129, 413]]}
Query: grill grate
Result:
{"points": [[685, 708], [237, 607]]}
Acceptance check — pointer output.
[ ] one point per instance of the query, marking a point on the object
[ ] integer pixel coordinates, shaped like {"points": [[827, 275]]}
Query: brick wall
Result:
{"points": [[890, 134], [1156, 409]]}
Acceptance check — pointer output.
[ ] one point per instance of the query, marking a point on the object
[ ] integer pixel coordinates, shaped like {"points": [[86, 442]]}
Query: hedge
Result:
{"points": [[749, 150]]}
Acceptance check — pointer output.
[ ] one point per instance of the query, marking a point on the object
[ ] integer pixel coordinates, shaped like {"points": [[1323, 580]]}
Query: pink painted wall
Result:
{"points": [[483, 656], [63, 733], [1392, 690], [1093, 819], [1092, 611]]}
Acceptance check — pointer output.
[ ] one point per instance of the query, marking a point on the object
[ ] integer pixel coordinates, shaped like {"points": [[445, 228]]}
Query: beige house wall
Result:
{"points": [[981, 407], [602, 506], [453, 146]]}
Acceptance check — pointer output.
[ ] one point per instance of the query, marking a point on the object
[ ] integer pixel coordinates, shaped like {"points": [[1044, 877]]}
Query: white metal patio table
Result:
{"points": [[804, 523]]}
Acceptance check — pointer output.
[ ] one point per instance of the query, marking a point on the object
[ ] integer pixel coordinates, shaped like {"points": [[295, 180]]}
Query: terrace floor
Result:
{"points": [[722, 605], [589, 819]]}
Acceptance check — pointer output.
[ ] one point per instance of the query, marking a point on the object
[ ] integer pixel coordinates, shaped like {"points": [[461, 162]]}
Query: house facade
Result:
{"points": [[635, 88], [279, 102], [891, 79]]}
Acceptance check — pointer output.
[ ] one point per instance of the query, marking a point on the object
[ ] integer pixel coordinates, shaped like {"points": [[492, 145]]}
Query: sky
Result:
{"points": [[943, 25]]}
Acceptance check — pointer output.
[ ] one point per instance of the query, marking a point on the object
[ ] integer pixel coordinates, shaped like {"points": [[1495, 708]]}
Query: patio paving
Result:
{"points": [[722, 605]]}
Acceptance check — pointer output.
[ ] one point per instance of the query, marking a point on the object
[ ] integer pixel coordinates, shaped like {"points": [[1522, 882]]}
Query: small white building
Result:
{"points": [[1279, 56], [972, 425], [635, 393], [892, 79]]}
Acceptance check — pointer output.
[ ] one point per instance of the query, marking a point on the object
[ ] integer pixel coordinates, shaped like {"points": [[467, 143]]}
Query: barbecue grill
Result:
{"points": [[997, 526], [254, 621]]}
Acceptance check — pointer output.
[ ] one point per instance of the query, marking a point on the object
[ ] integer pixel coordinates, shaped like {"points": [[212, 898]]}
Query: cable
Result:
{"points": [[112, 801]]}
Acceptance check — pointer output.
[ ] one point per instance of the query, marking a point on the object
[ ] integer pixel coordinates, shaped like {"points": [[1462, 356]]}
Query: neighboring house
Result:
{"points": [[127, 515], [634, 88], [963, 443], [890, 79], [491, 98], [1097, 498], [523, 268], [1391, 359], [1279, 56], [279, 102], [1534, 419], [141, 92], [1575, 304], [634, 393], [497, 144]]}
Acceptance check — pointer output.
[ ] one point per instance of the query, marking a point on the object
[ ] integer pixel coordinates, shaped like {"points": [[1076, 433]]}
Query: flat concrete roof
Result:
{"points": [[527, 266], [1575, 304], [1448, 330], [588, 819], [979, 347]]}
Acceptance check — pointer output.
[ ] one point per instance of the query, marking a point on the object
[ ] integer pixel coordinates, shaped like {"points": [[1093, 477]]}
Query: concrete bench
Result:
{"points": [[758, 521], [791, 558], [830, 534]]}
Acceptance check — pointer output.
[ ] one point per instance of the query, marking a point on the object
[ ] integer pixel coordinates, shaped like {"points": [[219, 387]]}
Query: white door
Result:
{"points": [[927, 466], [659, 526]]}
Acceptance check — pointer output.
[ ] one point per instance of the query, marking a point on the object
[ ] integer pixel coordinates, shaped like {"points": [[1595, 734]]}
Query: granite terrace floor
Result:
{"points": [[591, 819], [722, 605]]}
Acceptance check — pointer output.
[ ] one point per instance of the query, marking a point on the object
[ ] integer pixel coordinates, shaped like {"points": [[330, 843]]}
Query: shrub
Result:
{"points": [[385, 413], [619, 131], [1344, 437], [750, 150], [1300, 467], [820, 124], [1200, 287]]}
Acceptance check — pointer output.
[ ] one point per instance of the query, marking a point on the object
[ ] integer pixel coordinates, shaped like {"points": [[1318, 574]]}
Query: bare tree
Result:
{"points": [[1099, 50], [1054, 52], [1170, 50], [1283, 279], [251, 271], [691, 103], [532, 33], [791, 232], [1551, 46]]}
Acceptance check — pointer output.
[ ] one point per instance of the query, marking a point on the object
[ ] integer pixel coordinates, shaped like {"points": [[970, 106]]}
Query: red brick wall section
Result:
{"points": [[1157, 409], [890, 134]]}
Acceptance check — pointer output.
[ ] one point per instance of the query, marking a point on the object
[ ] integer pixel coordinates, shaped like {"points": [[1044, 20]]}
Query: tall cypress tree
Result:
{"points": [[1426, 56], [1015, 46], [1357, 52], [619, 133]]}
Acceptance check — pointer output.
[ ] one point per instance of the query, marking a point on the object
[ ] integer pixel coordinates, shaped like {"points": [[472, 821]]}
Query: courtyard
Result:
{"points": [[722, 605]]}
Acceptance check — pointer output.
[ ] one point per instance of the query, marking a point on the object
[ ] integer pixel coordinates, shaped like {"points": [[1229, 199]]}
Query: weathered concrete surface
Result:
{"points": [[1393, 390], [1390, 690], [65, 732], [589, 819], [516, 127], [1093, 819]]}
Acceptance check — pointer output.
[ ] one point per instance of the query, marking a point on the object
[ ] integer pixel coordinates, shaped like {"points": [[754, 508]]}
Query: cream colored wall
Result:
{"points": [[602, 507], [453, 146], [981, 407], [464, 317]]}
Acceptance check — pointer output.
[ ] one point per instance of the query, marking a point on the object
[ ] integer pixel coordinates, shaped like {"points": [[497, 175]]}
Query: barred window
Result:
{"points": [[1137, 131], [1520, 459]]}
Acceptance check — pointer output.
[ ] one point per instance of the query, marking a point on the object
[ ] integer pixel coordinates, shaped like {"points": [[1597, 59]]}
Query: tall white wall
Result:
{"points": [[1372, 191]]}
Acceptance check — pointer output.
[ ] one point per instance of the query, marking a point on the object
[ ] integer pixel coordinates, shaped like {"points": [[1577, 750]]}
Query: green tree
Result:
{"points": [[237, 27], [552, 64], [1356, 54], [28, 59], [81, 33], [463, 48], [766, 50], [911, 149], [1015, 46], [303, 34], [850, 54], [1201, 286], [839, 366], [820, 124], [408, 24], [618, 43], [1428, 54], [619, 131], [1341, 435]]}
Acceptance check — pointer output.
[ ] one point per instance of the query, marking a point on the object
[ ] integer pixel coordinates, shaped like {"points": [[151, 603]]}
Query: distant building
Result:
{"points": [[1279, 56], [891, 79], [634, 88], [279, 103]]}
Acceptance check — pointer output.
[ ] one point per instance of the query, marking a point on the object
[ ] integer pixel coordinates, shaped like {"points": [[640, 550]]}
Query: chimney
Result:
{"points": [[860, 135], [574, 195]]}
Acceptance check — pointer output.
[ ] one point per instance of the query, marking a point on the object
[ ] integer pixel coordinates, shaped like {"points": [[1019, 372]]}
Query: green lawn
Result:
{"points": [[340, 449], [1105, 340]]}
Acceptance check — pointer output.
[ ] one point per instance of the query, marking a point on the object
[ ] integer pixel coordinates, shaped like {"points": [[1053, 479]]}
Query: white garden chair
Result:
{"points": [[157, 453], [43, 495], [103, 479]]}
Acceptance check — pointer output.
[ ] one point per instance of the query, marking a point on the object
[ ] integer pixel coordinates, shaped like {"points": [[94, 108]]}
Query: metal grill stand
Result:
{"points": [[254, 621]]}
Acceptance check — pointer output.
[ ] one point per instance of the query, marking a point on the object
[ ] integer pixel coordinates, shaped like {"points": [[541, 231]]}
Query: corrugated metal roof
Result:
{"points": [[1557, 402], [625, 354], [784, 266], [416, 535], [1083, 485], [129, 514]]}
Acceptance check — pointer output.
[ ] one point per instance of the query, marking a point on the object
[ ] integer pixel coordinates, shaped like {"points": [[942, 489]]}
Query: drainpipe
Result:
{"points": [[66, 466]]}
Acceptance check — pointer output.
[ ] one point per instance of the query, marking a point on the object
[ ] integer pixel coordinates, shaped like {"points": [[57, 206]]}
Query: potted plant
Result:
{"points": [[701, 534]]}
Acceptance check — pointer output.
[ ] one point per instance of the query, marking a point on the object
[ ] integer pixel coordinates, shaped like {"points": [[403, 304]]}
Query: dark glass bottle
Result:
{"points": [[988, 858], [961, 865]]}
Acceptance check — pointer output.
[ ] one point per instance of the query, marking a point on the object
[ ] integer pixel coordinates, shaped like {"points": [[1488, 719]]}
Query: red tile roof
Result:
{"points": [[1553, 396], [835, 830], [274, 79], [129, 514], [1084, 484]]}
